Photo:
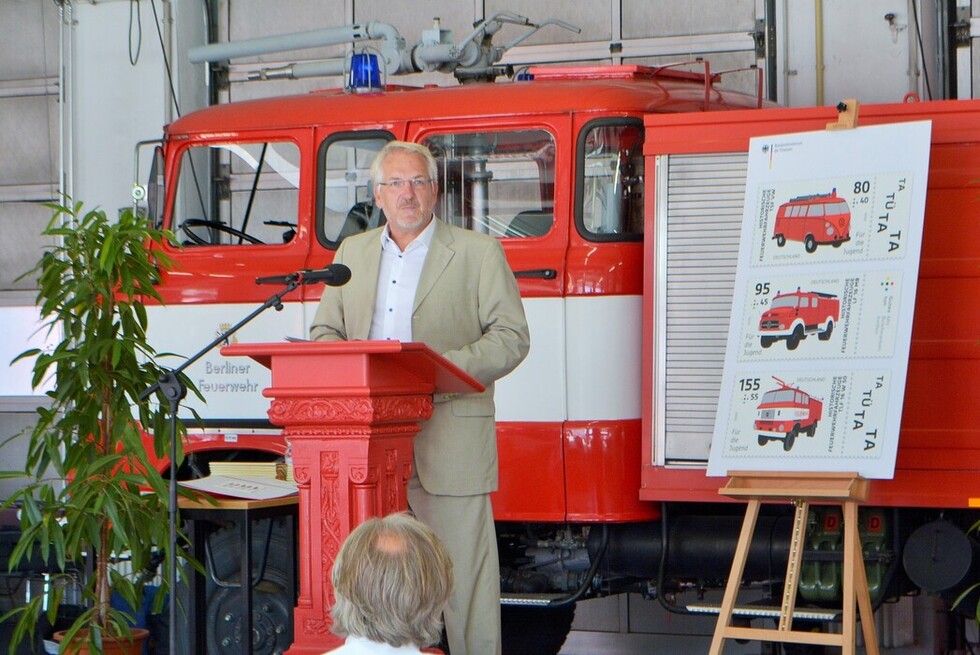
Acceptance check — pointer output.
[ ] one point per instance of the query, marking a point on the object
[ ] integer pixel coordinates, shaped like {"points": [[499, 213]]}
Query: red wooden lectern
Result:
{"points": [[350, 410]]}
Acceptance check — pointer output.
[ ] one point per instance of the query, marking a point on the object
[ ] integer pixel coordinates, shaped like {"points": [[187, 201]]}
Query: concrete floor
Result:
{"points": [[632, 625]]}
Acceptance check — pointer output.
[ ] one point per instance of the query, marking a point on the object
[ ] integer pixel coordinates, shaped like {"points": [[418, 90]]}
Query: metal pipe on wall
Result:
{"points": [[65, 99], [818, 48]]}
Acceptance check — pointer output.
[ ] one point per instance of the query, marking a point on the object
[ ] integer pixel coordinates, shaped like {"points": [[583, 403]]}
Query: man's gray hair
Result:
{"points": [[392, 580], [403, 146]]}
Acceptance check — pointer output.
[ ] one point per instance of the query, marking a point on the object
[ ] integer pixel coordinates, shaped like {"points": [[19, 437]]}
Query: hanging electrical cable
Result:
{"points": [[166, 59], [922, 54], [139, 32]]}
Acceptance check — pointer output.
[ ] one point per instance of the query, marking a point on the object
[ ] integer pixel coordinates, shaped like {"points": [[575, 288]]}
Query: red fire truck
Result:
{"points": [[786, 412], [814, 220], [595, 180], [792, 316]]}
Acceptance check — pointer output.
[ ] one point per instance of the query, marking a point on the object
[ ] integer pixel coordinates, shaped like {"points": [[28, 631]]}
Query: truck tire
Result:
{"points": [[791, 438], [767, 341], [529, 630], [780, 240], [272, 601], [809, 243], [827, 331], [794, 339]]}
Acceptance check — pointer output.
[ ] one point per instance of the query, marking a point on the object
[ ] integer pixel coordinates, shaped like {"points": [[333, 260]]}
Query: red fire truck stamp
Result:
{"points": [[816, 219], [815, 415], [857, 218], [820, 316]]}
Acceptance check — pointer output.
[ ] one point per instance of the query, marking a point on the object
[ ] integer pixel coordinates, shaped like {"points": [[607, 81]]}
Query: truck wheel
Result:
{"points": [[809, 243], [812, 430], [763, 440], [534, 630], [780, 240], [272, 601], [791, 438], [767, 341], [825, 335], [793, 340]]}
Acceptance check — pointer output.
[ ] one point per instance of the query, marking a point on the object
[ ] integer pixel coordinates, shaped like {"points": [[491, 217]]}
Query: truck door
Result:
{"points": [[505, 181], [236, 209], [511, 180]]}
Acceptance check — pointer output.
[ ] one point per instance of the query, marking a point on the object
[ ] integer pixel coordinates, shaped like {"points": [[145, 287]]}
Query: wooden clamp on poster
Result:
{"points": [[846, 489], [847, 115]]}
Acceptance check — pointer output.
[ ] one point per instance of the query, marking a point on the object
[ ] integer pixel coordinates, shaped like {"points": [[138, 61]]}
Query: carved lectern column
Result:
{"points": [[350, 411], [351, 459]]}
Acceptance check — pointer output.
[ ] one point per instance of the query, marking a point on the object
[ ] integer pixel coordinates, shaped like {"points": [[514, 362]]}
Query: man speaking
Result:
{"points": [[420, 279]]}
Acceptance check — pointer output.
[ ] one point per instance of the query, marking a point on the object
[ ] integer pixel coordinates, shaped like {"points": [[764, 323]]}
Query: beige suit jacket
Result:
{"points": [[468, 309]]}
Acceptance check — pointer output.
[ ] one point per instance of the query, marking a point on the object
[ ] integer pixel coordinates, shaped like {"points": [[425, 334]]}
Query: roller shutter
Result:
{"points": [[699, 212]]}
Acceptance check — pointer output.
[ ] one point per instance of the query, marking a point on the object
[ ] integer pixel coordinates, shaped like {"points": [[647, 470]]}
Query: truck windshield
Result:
{"points": [[785, 301], [782, 396], [232, 194]]}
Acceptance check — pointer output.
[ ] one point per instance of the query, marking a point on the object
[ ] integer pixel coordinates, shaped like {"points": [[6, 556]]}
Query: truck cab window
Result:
{"points": [[499, 183], [237, 194], [345, 203], [610, 193]]}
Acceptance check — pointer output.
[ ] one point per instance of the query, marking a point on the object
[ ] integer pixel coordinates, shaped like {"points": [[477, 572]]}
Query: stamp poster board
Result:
{"points": [[817, 352]]}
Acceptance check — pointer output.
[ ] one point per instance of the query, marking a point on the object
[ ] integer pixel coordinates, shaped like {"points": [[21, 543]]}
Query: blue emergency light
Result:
{"points": [[365, 73]]}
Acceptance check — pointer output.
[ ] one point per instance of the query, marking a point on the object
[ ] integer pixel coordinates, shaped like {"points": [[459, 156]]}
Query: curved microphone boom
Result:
{"points": [[334, 275]]}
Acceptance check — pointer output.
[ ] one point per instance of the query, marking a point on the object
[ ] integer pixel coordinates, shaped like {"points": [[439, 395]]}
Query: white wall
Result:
{"points": [[115, 103], [864, 55]]}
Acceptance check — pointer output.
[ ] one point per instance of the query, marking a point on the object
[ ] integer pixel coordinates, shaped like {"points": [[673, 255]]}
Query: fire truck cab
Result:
{"points": [[254, 190]]}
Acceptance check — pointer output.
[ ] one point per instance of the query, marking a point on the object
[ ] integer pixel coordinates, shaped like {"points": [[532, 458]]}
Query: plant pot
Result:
{"points": [[132, 645]]}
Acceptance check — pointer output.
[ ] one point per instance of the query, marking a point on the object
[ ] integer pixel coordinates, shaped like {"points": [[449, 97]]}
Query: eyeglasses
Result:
{"points": [[415, 183]]}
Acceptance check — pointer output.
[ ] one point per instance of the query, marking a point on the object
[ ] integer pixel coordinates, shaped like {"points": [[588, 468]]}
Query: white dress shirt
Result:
{"points": [[361, 646], [398, 279]]}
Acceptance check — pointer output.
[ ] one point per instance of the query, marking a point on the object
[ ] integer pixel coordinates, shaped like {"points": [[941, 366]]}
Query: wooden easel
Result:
{"points": [[846, 489]]}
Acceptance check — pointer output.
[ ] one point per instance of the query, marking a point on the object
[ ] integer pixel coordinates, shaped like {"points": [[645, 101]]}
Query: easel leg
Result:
{"points": [[864, 599], [735, 577], [793, 566], [852, 550]]}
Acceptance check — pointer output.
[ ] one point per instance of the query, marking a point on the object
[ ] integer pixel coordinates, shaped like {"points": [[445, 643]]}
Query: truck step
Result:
{"points": [[768, 611], [529, 600]]}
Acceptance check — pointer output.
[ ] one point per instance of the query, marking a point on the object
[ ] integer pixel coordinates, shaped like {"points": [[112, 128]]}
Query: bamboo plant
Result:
{"points": [[91, 495]]}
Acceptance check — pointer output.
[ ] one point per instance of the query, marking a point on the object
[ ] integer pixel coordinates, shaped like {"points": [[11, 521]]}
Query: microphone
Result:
{"points": [[335, 275]]}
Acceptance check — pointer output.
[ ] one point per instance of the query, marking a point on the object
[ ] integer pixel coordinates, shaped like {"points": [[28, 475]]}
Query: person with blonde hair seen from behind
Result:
{"points": [[392, 580]]}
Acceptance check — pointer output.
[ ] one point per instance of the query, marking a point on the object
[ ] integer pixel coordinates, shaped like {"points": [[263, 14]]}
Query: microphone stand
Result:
{"points": [[173, 389]]}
